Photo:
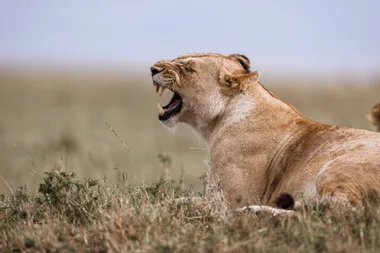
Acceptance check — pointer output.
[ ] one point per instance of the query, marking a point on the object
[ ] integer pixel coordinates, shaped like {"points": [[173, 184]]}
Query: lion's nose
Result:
{"points": [[156, 70]]}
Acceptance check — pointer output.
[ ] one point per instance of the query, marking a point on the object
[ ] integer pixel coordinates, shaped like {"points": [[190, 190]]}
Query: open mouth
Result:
{"points": [[170, 109]]}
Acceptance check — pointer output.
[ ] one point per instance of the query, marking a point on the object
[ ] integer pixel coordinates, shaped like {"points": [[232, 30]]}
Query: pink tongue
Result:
{"points": [[173, 105]]}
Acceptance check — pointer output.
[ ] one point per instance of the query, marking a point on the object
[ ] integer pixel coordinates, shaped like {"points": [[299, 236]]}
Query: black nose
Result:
{"points": [[156, 70]]}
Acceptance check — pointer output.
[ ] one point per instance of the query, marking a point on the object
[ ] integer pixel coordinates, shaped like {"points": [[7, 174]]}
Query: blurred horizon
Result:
{"points": [[338, 37]]}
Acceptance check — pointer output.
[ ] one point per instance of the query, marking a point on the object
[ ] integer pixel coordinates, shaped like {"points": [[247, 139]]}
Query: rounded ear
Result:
{"points": [[233, 84], [242, 59], [255, 76]]}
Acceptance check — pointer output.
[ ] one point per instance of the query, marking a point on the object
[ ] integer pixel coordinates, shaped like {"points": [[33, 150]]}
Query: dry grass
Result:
{"points": [[86, 216], [54, 123]]}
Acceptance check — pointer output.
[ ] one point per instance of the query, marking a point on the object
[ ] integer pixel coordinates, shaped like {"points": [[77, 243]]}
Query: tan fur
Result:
{"points": [[375, 116], [261, 146]]}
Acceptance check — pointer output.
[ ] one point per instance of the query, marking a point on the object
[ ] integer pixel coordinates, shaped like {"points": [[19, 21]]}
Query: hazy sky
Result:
{"points": [[278, 35]]}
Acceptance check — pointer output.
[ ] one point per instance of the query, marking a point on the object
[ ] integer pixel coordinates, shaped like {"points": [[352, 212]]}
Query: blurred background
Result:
{"points": [[67, 67]]}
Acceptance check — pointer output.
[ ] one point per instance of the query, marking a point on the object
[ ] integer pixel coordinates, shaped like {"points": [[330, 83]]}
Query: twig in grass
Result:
{"points": [[120, 139], [81, 207], [9, 187], [33, 163], [194, 218]]}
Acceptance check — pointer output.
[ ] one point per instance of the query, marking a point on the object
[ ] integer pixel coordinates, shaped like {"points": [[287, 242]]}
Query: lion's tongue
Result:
{"points": [[170, 109], [173, 105]]}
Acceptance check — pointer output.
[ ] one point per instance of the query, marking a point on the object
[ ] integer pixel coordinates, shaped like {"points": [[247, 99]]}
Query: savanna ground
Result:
{"points": [[69, 184]]}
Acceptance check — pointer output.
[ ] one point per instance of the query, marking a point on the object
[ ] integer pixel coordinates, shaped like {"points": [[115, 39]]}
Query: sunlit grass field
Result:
{"points": [[104, 126]]}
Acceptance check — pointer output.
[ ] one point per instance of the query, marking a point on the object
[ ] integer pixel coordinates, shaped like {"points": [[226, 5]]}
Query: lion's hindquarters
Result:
{"points": [[351, 182]]}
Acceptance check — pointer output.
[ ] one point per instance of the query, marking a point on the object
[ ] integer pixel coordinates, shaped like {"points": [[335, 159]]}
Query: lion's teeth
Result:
{"points": [[160, 110], [160, 91]]}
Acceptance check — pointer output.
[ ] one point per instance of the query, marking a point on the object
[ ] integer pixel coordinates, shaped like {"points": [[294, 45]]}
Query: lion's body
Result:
{"points": [[260, 146], [275, 149]]}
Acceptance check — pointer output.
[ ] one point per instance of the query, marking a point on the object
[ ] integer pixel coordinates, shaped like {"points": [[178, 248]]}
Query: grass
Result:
{"points": [[68, 181], [70, 215]]}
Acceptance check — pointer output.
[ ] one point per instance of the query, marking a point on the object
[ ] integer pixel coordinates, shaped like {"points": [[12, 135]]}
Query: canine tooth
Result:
{"points": [[161, 90], [160, 110]]}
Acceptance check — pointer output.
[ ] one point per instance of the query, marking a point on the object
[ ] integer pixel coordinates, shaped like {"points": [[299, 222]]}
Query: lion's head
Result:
{"points": [[202, 86]]}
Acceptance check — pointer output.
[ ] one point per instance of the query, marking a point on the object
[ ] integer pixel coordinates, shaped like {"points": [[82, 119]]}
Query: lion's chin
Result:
{"points": [[170, 123]]}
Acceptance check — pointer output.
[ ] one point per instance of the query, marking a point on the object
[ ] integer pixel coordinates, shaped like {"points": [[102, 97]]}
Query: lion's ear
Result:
{"points": [[236, 83], [190, 65], [242, 59]]}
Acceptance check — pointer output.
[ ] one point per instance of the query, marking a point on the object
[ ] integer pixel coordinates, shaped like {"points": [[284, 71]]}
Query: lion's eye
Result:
{"points": [[188, 68], [191, 70], [185, 67]]}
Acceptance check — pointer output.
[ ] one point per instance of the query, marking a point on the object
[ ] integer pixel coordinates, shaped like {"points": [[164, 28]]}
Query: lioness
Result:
{"points": [[261, 146]]}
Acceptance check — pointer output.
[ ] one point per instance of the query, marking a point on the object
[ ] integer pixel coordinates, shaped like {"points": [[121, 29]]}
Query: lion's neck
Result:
{"points": [[235, 112], [257, 110]]}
